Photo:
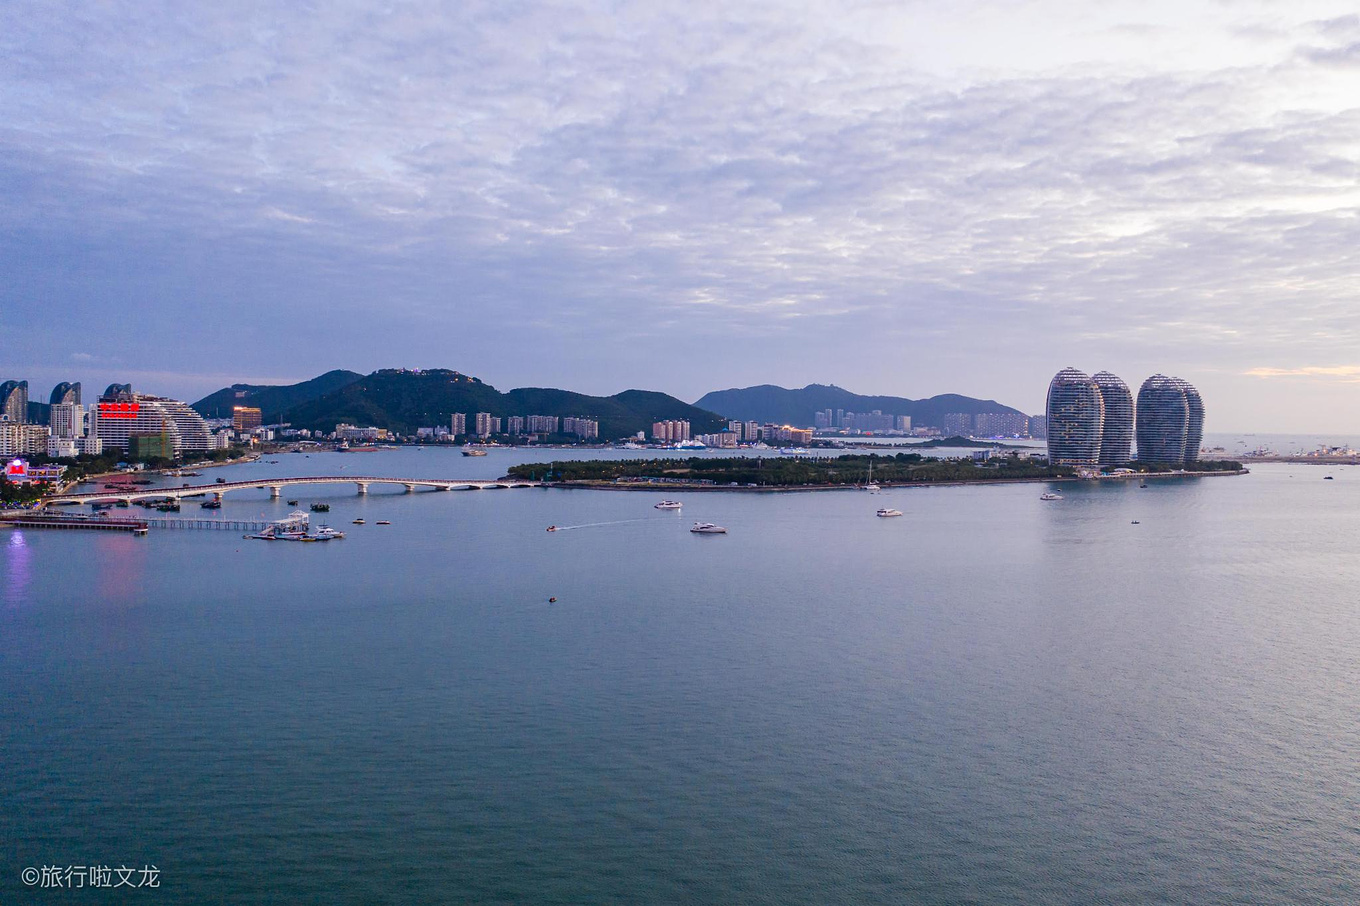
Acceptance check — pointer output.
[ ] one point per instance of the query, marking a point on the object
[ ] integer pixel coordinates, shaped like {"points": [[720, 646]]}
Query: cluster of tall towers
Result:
{"points": [[1092, 420]]}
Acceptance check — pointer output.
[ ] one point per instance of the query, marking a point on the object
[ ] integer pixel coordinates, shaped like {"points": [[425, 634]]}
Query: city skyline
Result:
{"points": [[908, 201]]}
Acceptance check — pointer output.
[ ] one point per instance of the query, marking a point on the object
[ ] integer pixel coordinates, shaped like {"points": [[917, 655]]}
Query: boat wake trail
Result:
{"points": [[567, 528]]}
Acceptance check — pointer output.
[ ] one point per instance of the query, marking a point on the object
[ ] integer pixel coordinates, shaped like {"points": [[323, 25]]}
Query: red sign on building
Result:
{"points": [[118, 410], [16, 470]]}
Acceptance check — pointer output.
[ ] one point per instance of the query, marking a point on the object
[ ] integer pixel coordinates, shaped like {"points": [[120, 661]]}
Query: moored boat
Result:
{"points": [[668, 505], [708, 528], [885, 512]]}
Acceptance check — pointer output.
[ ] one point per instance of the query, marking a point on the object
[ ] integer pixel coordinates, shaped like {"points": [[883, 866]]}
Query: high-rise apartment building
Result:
{"points": [[1075, 418], [245, 419], [543, 424], [957, 423], [481, 424], [582, 427], [1000, 424], [514, 424], [671, 431], [19, 439], [458, 424], [67, 420], [1116, 433]]}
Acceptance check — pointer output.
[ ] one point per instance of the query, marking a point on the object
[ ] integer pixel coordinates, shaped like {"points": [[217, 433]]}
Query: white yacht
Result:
{"points": [[326, 533], [472, 451], [1049, 495], [668, 505], [887, 511], [708, 528]]}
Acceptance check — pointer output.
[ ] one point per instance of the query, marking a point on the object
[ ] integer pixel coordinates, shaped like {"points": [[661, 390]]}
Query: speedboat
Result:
{"points": [[211, 505], [668, 505], [552, 528], [708, 528], [326, 533], [383, 522], [885, 512], [358, 522], [1050, 496]]}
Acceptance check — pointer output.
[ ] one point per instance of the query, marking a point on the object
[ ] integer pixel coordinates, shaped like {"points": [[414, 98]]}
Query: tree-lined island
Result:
{"points": [[826, 472]]}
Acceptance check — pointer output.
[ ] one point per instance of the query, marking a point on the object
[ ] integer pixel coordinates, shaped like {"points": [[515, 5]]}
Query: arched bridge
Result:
{"points": [[276, 486]]}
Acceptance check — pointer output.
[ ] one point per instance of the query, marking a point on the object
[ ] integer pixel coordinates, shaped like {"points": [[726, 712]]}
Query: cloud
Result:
{"points": [[520, 184], [1347, 373]]}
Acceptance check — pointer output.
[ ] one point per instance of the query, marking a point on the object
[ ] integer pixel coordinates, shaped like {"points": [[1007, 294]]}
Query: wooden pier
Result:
{"points": [[87, 523]]}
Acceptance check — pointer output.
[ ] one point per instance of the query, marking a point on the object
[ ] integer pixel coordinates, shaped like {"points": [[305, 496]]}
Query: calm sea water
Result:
{"points": [[991, 700]]}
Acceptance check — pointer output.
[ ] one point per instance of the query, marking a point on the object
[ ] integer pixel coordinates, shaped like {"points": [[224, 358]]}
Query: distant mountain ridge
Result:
{"points": [[272, 400], [770, 403], [403, 400]]}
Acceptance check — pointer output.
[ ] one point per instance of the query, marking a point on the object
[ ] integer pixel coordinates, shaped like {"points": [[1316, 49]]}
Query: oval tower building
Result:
{"points": [[1076, 417], [1194, 432], [1163, 420], [1116, 435]]}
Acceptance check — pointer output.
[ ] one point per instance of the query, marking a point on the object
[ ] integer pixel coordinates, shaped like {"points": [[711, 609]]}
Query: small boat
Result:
{"points": [[211, 505], [1327, 478], [383, 522], [358, 522], [321, 508], [552, 528], [668, 505], [221, 481], [708, 528], [1143, 485], [167, 507], [326, 533], [1135, 522], [886, 512], [1050, 496], [101, 506], [292, 503]]}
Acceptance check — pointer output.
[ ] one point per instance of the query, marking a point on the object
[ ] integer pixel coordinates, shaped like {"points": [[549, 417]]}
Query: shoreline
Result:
{"points": [[590, 485], [67, 487]]}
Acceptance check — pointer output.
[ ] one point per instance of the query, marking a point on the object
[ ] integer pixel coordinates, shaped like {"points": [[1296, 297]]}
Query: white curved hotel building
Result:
{"points": [[122, 414]]}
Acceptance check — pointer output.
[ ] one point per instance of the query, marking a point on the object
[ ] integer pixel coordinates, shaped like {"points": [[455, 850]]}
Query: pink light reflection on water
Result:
{"points": [[18, 569]]}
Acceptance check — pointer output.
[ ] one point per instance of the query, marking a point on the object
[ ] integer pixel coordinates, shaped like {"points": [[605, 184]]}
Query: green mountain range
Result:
{"points": [[403, 400], [272, 401], [768, 403]]}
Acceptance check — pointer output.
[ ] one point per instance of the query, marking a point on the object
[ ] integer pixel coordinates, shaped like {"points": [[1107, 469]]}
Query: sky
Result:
{"points": [[896, 197]]}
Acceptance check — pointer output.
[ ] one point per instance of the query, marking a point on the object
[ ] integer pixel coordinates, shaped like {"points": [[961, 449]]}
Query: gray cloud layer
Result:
{"points": [[601, 195]]}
